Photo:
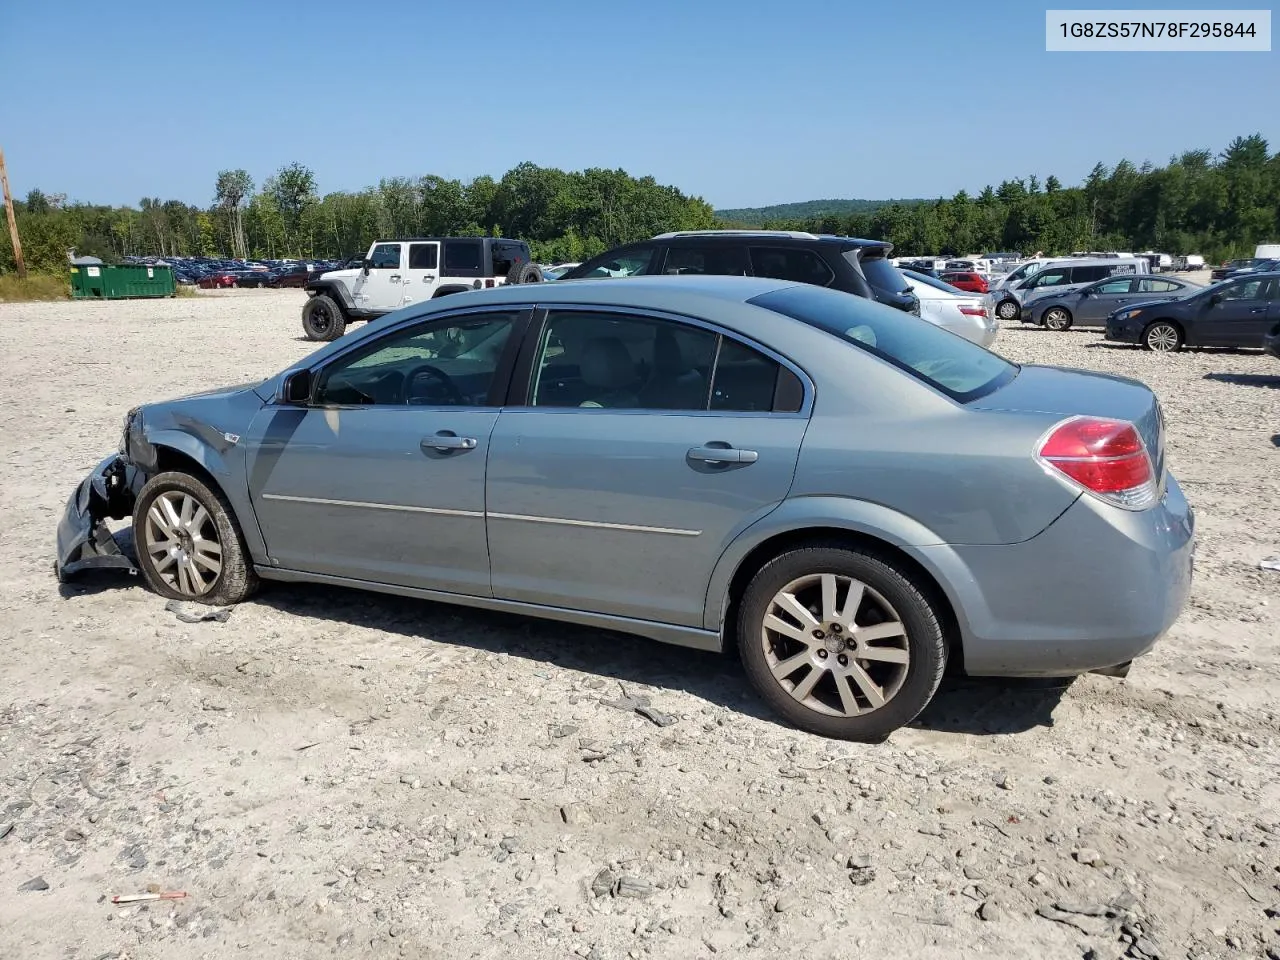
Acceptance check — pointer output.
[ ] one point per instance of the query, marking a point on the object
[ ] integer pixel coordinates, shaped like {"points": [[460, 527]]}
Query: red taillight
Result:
{"points": [[1106, 457], [973, 311]]}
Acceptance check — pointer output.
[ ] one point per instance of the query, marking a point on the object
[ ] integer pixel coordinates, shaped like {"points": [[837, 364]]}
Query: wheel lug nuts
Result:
{"points": [[835, 628], [822, 654], [819, 635], [844, 661]]}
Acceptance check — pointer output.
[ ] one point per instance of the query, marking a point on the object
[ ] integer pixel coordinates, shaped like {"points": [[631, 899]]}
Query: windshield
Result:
{"points": [[947, 362], [929, 281], [881, 274]]}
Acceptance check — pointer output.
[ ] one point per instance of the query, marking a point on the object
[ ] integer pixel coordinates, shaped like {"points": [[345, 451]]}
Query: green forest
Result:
{"points": [[1217, 205]]}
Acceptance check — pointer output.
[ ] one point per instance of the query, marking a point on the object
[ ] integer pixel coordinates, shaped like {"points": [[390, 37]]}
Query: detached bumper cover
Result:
{"points": [[84, 540]]}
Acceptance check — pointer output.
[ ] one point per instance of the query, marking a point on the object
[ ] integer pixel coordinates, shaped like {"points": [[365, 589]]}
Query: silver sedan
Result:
{"points": [[849, 498]]}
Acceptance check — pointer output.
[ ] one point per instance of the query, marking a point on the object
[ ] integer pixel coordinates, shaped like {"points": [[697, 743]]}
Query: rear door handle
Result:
{"points": [[722, 454], [447, 441]]}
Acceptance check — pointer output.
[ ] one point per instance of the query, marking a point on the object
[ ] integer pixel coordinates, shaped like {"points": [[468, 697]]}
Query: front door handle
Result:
{"points": [[1258, 310], [715, 453], [395, 278], [447, 441]]}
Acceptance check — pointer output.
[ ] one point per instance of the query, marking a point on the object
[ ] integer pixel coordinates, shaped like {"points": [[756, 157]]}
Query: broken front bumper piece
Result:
{"points": [[84, 539]]}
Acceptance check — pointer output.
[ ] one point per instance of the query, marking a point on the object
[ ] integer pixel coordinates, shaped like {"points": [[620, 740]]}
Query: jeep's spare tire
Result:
{"points": [[524, 273]]}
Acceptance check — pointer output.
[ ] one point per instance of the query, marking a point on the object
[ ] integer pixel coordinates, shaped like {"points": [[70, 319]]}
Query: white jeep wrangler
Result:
{"points": [[397, 273]]}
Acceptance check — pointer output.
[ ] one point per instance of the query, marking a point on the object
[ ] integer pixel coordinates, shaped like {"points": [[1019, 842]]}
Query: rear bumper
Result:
{"points": [[1096, 589], [84, 540]]}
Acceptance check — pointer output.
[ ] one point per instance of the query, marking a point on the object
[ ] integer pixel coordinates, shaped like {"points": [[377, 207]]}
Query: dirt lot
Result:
{"points": [[331, 773]]}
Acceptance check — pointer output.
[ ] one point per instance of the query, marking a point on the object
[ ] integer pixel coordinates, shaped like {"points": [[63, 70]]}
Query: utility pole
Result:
{"points": [[13, 221]]}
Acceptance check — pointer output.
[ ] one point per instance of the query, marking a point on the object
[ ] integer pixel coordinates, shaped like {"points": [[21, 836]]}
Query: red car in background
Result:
{"points": [[972, 282], [216, 281]]}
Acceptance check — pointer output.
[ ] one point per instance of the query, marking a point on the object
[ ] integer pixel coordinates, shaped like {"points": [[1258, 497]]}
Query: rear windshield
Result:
{"points": [[950, 364], [880, 273]]}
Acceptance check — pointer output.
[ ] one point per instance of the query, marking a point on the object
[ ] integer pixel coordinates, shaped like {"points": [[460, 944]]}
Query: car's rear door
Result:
{"points": [[380, 478], [642, 445], [421, 277]]}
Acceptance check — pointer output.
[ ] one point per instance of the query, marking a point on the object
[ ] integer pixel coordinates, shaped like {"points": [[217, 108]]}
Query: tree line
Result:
{"points": [[1216, 205]]}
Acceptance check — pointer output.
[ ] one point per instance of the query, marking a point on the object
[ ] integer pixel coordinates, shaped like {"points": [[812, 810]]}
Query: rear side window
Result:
{"points": [[507, 255], [462, 258], [1148, 285], [1090, 274], [881, 274], [721, 260], [948, 363], [628, 262], [791, 263]]}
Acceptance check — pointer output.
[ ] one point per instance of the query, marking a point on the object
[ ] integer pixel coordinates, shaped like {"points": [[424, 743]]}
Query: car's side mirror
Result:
{"points": [[297, 388], [364, 267], [1215, 299]]}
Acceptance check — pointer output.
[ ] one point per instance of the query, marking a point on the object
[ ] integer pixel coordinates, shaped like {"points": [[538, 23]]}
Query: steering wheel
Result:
{"points": [[455, 395]]}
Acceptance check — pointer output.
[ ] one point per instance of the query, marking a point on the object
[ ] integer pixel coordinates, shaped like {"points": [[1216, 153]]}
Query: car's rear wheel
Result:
{"points": [[841, 642], [322, 318], [1057, 318], [1162, 337], [188, 542], [1007, 310], [524, 273]]}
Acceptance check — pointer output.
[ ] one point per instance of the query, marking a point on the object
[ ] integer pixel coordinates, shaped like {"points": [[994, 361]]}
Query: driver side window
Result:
{"points": [[444, 363], [1247, 290], [385, 256]]}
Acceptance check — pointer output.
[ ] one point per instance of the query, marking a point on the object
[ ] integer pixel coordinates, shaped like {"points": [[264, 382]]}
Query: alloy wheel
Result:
{"points": [[1162, 338], [1056, 319], [1007, 310], [835, 645], [181, 540]]}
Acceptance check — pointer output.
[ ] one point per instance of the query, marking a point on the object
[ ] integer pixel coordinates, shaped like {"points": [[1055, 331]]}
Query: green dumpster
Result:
{"points": [[107, 282]]}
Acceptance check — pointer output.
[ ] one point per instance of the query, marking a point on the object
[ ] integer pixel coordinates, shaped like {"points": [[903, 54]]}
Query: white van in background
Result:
{"points": [[1267, 251]]}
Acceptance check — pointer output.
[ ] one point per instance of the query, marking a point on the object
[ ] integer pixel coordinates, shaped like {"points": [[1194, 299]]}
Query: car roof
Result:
{"points": [[641, 291], [757, 236]]}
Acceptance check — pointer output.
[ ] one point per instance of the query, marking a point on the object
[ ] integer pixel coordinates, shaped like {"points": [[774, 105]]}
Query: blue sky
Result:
{"points": [[743, 103]]}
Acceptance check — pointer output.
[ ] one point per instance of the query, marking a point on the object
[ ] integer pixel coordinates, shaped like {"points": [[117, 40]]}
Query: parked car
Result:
{"points": [[860, 267], [961, 280], [557, 271], [1094, 303], [1258, 266], [218, 279], [1231, 266], [849, 496], [1233, 313], [297, 275], [254, 278], [1060, 276], [965, 314]]}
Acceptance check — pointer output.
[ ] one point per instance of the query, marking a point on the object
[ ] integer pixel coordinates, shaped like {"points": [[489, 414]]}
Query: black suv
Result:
{"points": [[860, 267]]}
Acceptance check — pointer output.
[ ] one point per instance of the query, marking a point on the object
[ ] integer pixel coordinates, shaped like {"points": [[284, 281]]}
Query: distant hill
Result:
{"points": [[754, 216]]}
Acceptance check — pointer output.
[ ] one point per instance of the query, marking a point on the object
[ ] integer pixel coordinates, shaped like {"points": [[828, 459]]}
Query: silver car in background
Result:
{"points": [[851, 499]]}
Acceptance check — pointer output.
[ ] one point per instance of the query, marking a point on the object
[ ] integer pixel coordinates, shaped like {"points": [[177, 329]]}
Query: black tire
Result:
{"points": [[1057, 318], [235, 581], [924, 640], [1007, 310], [323, 319], [524, 273], [1162, 336]]}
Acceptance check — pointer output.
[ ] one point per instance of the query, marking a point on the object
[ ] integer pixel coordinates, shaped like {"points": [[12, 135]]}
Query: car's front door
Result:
{"points": [[421, 277], [645, 445], [1098, 302], [1239, 317], [379, 288], [380, 477]]}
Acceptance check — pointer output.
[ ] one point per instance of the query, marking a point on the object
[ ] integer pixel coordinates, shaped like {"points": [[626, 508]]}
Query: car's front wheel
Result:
{"points": [[322, 318], [1057, 318], [1162, 337], [188, 542], [841, 642]]}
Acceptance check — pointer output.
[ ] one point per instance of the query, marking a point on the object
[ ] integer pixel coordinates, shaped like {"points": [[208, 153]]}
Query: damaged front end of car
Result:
{"points": [[85, 539]]}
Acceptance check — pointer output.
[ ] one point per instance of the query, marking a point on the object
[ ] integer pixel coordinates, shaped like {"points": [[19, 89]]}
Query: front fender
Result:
{"points": [[220, 455], [84, 540], [856, 516]]}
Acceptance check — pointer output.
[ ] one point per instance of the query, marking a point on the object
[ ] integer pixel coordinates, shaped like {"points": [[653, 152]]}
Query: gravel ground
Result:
{"points": [[331, 773]]}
